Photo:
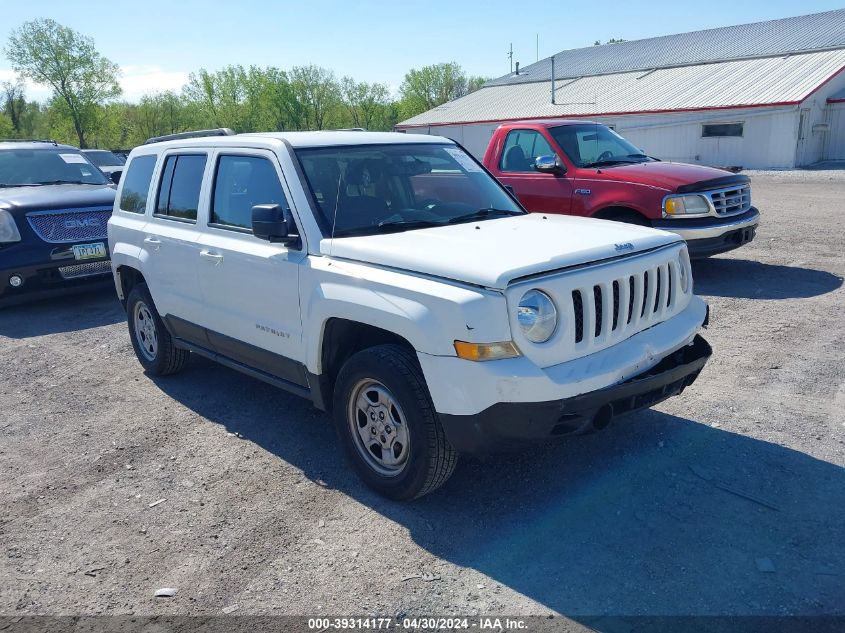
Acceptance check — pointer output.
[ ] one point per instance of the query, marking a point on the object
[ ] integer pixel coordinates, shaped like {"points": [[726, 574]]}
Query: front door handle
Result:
{"points": [[215, 257]]}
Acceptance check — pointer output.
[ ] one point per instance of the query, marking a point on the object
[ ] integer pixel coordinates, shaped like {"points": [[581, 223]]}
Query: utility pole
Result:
{"points": [[538, 47], [510, 56]]}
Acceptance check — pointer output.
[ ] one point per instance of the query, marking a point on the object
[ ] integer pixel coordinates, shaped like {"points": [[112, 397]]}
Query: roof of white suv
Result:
{"points": [[322, 138]]}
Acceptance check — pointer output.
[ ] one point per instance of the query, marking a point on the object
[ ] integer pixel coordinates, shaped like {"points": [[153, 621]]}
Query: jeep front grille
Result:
{"points": [[623, 306], [70, 225], [731, 201], [605, 303], [90, 269]]}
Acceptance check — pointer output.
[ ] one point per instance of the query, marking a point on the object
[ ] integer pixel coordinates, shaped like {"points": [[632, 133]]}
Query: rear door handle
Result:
{"points": [[215, 257]]}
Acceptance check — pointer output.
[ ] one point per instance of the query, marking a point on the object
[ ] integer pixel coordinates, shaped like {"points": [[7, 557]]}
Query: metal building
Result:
{"points": [[763, 95]]}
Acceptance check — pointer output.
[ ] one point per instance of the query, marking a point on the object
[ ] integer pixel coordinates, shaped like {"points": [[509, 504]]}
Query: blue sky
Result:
{"points": [[157, 43]]}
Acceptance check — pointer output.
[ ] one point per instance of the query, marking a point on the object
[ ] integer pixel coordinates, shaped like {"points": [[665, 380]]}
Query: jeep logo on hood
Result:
{"points": [[81, 223]]}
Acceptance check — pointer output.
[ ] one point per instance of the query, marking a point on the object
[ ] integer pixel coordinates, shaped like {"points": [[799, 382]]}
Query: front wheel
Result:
{"points": [[386, 421], [152, 342]]}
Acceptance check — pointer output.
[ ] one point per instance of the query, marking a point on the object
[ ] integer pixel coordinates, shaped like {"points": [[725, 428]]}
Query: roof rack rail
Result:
{"points": [[28, 140], [220, 131], [349, 129]]}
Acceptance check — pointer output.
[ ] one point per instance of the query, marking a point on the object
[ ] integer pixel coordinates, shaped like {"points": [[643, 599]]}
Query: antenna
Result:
{"points": [[336, 205], [553, 80], [510, 56]]}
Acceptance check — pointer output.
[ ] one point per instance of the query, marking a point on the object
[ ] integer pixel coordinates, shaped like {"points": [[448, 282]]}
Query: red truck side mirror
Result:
{"points": [[550, 164]]}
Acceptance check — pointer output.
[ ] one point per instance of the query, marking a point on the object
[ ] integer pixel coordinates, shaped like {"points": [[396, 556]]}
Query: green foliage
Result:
{"points": [[55, 55], [84, 111], [431, 86], [7, 130], [368, 105], [612, 40]]}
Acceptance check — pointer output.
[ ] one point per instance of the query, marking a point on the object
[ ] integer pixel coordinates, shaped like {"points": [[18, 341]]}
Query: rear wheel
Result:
{"points": [[152, 342], [386, 421]]}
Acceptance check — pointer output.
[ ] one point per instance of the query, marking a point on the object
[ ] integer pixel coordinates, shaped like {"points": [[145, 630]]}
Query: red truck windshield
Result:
{"points": [[594, 145]]}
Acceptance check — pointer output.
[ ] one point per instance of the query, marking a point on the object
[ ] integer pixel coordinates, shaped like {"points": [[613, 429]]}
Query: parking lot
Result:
{"points": [[727, 500]]}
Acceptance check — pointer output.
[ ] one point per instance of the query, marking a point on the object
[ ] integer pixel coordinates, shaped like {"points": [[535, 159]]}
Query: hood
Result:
{"points": [[495, 252], [47, 197], [668, 176]]}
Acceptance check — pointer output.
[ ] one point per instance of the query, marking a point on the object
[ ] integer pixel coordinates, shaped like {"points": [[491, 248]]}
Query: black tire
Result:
{"points": [[628, 216], [165, 358], [430, 459]]}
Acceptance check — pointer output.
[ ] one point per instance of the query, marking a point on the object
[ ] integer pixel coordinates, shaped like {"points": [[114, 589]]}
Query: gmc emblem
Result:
{"points": [[81, 224]]}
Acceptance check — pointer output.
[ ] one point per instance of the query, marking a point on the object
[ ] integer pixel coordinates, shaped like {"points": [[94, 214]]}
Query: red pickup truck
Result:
{"points": [[585, 168]]}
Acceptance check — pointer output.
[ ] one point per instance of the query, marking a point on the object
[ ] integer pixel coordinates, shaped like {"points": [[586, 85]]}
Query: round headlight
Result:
{"points": [[537, 316], [683, 271]]}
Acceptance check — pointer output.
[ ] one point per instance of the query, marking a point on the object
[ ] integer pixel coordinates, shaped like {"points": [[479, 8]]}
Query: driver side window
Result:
{"points": [[522, 147]]}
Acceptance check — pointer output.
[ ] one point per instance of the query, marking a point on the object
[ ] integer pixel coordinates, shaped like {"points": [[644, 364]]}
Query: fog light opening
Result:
{"points": [[16, 281], [603, 417]]}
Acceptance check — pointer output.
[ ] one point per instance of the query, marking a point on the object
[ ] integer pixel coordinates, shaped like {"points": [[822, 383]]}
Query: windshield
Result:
{"points": [[22, 167], [381, 188], [103, 158], [594, 145]]}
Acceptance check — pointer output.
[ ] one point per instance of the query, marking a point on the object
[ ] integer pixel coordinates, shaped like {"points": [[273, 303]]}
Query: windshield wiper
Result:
{"points": [[644, 156], [609, 162], [388, 227], [66, 182], [483, 214]]}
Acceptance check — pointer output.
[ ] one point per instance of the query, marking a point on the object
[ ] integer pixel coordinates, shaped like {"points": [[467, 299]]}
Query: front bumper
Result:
{"points": [[508, 426], [710, 236], [58, 274]]}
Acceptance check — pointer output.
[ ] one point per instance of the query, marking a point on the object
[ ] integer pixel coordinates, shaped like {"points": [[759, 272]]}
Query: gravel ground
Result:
{"points": [[727, 500]]}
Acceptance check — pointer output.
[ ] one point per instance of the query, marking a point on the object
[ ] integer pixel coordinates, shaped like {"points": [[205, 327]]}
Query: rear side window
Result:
{"points": [[241, 182], [179, 191], [522, 147], [136, 184]]}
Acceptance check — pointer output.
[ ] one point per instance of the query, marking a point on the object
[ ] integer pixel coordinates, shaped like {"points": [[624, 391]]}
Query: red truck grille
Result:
{"points": [[731, 201]]}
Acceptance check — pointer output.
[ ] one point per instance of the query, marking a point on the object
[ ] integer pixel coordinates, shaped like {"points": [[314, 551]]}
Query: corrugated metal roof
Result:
{"points": [[803, 33], [754, 82]]}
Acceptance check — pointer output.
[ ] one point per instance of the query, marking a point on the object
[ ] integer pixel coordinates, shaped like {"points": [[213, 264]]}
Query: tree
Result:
{"points": [[612, 40], [317, 90], [48, 53], [7, 130], [432, 86], [13, 103], [368, 104]]}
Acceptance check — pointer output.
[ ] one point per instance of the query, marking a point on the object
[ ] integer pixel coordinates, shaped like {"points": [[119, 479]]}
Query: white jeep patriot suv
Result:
{"points": [[390, 279]]}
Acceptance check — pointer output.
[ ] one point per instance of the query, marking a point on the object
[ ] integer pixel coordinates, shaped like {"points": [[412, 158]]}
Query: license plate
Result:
{"points": [[89, 251]]}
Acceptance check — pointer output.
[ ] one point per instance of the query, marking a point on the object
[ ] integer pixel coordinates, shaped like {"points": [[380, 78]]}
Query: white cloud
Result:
{"points": [[140, 80], [136, 81]]}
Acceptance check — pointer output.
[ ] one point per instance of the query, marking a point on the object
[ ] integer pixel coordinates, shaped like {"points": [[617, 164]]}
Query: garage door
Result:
{"points": [[835, 149]]}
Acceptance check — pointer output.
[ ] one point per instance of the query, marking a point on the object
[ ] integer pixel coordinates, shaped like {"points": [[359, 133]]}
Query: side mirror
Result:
{"points": [[549, 164], [273, 223], [115, 176]]}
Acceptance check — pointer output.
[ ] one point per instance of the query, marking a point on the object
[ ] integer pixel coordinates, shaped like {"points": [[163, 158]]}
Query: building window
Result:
{"points": [[716, 130]]}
